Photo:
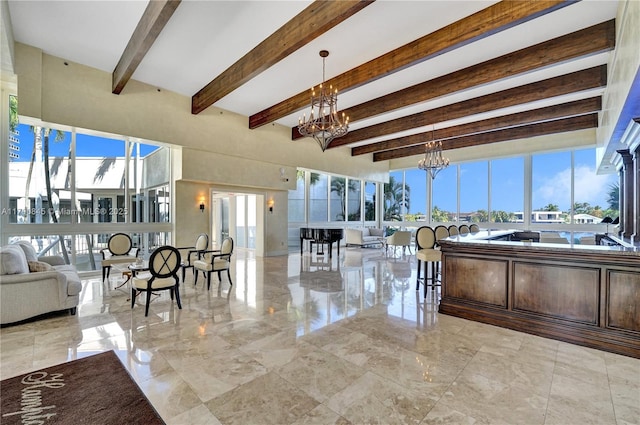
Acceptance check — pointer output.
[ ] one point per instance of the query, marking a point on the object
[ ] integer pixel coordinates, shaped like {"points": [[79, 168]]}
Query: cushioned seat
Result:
{"points": [[119, 250]]}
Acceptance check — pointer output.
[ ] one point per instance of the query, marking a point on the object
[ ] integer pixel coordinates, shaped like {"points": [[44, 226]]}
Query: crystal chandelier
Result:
{"points": [[324, 124], [433, 162]]}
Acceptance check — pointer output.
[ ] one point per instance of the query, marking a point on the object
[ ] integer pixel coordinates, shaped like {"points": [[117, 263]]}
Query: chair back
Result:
{"points": [[425, 238], [202, 242], [119, 244], [441, 232], [474, 228], [453, 230], [165, 262], [227, 246], [401, 238], [463, 229]]}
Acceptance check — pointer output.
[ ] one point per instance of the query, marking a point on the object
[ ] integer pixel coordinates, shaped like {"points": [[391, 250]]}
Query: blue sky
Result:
{"points": [[86, 145]]}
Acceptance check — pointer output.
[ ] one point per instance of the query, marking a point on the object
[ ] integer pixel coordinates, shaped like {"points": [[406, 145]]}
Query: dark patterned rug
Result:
{"points": [[92, 390]]}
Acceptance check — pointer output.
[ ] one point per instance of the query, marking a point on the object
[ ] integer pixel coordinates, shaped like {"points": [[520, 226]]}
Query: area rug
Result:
{"points": [[92, 390]]}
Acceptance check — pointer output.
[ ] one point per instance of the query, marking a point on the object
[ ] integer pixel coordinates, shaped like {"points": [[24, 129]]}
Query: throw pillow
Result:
{"points": [[12, 260], [376, 232], [29, 250], [39, 266]]}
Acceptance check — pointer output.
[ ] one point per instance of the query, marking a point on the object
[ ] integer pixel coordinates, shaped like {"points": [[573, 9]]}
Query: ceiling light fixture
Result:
{"points": [[433, 161], [324, 124]]}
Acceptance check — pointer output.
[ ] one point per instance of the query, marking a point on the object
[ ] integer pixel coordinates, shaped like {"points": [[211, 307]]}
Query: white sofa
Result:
{"points": [[364, 237], [32, 285]]}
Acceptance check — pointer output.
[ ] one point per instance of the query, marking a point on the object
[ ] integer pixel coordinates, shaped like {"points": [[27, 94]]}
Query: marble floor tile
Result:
{"points": [[366, 348]]}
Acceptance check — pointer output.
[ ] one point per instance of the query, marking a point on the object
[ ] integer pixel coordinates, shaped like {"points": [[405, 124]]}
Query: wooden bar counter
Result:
{"points": [[582, 294]]}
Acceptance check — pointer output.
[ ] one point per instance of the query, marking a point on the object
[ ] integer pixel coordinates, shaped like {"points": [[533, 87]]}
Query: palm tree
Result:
{"points": [[393, 199], [613, 197], [13, 113]]}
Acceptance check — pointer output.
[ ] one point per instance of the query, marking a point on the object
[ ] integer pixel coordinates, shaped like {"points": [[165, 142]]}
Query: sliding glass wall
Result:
{"points": [[68, 190], [323, 200], [565, 193]]}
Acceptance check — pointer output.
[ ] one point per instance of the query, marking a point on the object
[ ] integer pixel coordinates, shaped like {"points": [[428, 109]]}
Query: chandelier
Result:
{"points": [[433, 162], [324, 124]]}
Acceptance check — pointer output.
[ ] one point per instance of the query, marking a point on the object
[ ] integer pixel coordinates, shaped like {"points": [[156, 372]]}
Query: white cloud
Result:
{"points": [[589, 187]]}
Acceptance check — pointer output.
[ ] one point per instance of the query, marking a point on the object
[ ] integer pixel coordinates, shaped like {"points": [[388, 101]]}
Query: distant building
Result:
{"points": [[586, 219], [541, 217], [14, 145]]}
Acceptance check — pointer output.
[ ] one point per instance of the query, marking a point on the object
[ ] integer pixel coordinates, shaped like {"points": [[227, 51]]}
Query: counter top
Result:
{"points": [[484, 238]]}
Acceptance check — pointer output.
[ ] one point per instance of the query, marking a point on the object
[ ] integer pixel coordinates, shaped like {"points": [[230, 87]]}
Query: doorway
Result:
{"points": [[239, 216]]}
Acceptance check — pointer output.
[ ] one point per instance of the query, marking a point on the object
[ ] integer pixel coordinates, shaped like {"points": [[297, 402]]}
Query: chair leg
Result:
{"points": [[184, 270], [208, 280], [418, 278], [229, 276], [177, 290], [220, 276], [195, 277], [146, 308], [104, 272], [134, 294]]}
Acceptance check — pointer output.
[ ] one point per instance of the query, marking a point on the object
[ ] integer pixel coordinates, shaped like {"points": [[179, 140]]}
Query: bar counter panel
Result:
{"points": [[586, 295], [479, 280], [567, 293]]}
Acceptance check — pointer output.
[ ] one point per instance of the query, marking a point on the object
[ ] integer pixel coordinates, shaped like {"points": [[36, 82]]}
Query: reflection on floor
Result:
{"points": [[302, 340]]}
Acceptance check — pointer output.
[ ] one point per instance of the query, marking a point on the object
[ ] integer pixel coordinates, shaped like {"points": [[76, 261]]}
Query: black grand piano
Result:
{"points": [[320, 237]]}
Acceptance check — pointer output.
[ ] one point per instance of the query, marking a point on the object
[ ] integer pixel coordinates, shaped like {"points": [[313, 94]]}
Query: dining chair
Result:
{"points": [[426, 253], [453, 230], [163, 274], [474, 228], [463, 229], [194, 252], [216, 260], [119, 250]]}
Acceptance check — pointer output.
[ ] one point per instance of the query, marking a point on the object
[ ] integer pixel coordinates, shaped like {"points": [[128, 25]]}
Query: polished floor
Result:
{"points": [[301, 340]]}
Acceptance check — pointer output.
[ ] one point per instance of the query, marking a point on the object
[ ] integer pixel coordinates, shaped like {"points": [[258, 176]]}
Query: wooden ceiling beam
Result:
{"points": [[574, 82], [514, 133], [312, 22], [153, 20], [586, 42], [489, 21], [564, 110]]}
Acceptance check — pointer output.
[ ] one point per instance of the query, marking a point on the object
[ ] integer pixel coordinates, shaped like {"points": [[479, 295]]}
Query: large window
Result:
{"points": [[68, 188], [595, 196], [396, 195], [474, 192], [369, 201], [338, 198], [507, 189], [416, 196], [551, 188], [354, 196], [318, 197], [445, 196]]}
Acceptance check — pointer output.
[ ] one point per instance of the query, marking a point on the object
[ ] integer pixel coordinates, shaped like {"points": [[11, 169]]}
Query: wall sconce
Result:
{"points": [[270, 204], [202, 204]]}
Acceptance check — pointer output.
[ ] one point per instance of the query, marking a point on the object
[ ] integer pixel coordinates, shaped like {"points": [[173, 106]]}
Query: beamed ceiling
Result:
{"points": [[464, 72]]}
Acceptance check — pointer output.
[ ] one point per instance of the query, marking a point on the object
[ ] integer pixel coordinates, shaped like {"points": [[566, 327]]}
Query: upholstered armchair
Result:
{"points": [[119, 250], [193, 252], [400, 238], [216, 261]]}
